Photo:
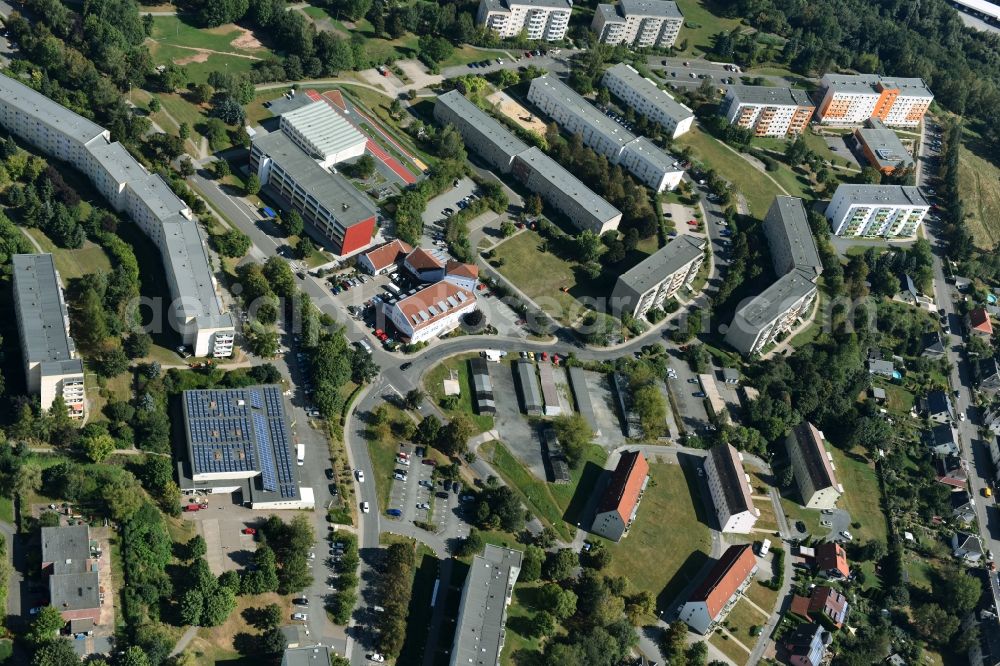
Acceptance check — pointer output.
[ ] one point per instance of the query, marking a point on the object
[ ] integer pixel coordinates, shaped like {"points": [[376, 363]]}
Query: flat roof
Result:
{"points": [[505, 5], [41, 310], [884, 144], [331, 190], [788, 220], [766, 306], [771, 96], [732, 478], [49, 112], [866, 83], [187, 258], [479, 631], [882, 195], [587, 113], [578, 382], [663, 263], [558, 178], [663, 161], [117, 161], [313, 655], [648, 89], [323, 128], [245, 430], [660, 8], [988, 8], [481, 122]]}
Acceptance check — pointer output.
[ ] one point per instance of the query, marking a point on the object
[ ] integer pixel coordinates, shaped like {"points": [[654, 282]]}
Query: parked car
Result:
{"points": [[395, 513], [249, 530], [365, 508], [301, 617], [360, 475], [301, 601]]}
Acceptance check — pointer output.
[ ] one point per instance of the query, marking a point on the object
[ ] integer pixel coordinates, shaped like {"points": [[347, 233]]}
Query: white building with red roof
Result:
{"points": [[620, 503], [424, 265], [384, 258], [721, 589], [431, 312], [463, 275]]}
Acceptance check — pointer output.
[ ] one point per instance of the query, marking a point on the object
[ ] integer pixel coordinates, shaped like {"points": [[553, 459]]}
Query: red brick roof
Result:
{"points": [[422, 260], [831, 556], [830, 603], [463, 270], [433, 303], [979, 320], [626, 484], [800, 606], [388, 254], [731, 571]]}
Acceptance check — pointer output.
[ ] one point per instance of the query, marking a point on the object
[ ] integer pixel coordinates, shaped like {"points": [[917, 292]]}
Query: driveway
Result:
{"points": [[605, 412], [692, 409], [515, 430]]}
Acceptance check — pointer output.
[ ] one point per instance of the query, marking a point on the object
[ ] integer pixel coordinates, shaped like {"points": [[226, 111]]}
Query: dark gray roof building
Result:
{"points": [[578, 382], [482, 613], [790, 238], [882, 147], [527, 384], [313, 655], [657, 277], [68, 561], [482, 386], [483, 134]]}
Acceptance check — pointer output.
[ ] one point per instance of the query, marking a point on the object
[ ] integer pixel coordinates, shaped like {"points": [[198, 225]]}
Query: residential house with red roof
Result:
{"points": [[384, 258], [431, 312], [831, 560], [721, 589], [620, 503], [828, 606], [979, 323]]}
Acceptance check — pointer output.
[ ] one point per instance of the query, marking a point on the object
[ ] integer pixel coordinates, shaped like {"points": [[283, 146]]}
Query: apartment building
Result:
{"points": [[884, 211], [768, 111], [196, 310], [51, 366], [656, 278], [326, 200], [648, 99], [482, 612], [603, 135], [765, 317], [720, 590], [620, 503], [812, 467], [730, 489], [638, 23], [323, 133], [560, 189], [851, 99], [881, 147], [431, 312], [538, 19]]}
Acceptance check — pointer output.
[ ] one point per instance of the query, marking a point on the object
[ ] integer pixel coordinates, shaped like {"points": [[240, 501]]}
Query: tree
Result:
{"points": [[531, 566], [218, 606], [598, 557], [428, 430], [98, 447], [196, 547], [575, 435], [507, 228], [674, 644], [955, 589], [413, 398], [186, 167], [58, 652], [233, 243], [364, 167], [934, 623], [191, 607], [253, 184], [293, 223], [560, 565], [46, 625], [221, 168], [137, 344], [272, 616], [871, 175], [305, 248], [533, 205], [134, 656], [471, 545], [28, 479], [113, 363], [697, 654], [280, 277], [555, 600]]}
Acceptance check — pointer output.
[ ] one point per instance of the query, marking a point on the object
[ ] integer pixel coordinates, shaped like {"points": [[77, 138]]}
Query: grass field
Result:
{"points": [[700, 24], [173, 31], [6, 510], [553, 504], [6, 650], [758, 190], [434, 385], [519, 647], [383, 454], [678, 551], [72, 264], [725, 645], [762, 596], [741, 619], [199, 64], [861, 495], [463, 55], [980, 188]]}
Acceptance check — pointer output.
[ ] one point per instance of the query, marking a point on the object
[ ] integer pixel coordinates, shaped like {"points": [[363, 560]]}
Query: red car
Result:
{"points": [[249, 530], [378, 332], [693, 223], [429, 461], [545, 356]]}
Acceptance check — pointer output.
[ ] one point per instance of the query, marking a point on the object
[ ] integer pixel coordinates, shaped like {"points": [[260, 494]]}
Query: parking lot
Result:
{"points": [[512, 424], [605, 412], [419, 489], [221, 523]]}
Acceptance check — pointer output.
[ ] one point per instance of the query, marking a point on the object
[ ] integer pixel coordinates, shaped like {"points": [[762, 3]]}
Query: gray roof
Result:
{"points": [[884, 144], [865, 83], [732, 478], [810, 444], [314, 655], [661, 8], [504, 5], [479, 633], [323, 128], [67, 548], [483, 123], [331, 190], [663, 263], [187, 259], [586, 112], [937, 402], [790, 227], [770, 96], [117, 161], [882, 195], [230, 431], [578, 381], [773, 301], [528, 382], [558, 178], [648, 89], [48, 112], [75, 591], [663, 161], [42, 311], [610, 13]]}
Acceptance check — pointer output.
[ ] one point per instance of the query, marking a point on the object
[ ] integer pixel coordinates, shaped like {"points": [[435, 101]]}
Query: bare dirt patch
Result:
{"points": [[513, 110], [246, 41], [198, 56]]}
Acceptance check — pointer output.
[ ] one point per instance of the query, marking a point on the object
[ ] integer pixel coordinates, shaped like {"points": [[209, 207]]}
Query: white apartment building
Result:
{"points": [[648, 99], [730, 489], [851, 99], [196, 310], [431, 312], [659, 276], [638, 155], [884, 211], [538, 19], [767, 111], [638, 23], [51, 366]]}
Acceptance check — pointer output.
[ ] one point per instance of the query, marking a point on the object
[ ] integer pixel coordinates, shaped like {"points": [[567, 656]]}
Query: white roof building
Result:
{"points": [[323, 133]]}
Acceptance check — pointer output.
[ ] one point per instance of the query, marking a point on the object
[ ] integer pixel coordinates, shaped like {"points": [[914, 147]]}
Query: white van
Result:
{"points": [[301, 449], [765, 548]]}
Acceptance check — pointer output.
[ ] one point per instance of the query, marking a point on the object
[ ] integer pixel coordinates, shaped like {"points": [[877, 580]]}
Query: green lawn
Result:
{"points": [[761, 595], [741, 618], [737, 654], [6, 650], [553, 504], [758, 190], [519, 647], [182, 110], [861, 495], [382, 450], [980, 189], [463, 55], [459, 367], [668, 531], [173, 31], [198, 64], [6, 510], [72, 264], [700, 24]]}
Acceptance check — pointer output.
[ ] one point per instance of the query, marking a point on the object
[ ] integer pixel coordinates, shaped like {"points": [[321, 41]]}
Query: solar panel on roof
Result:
{"points": [[269, 475], [256, 400]]}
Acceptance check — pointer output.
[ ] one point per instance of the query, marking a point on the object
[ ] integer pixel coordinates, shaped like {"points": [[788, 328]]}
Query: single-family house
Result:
{"points": [[992, 420], [831, 560], [979, 323], [963, 508], [807, 645], [937, 407], [951, 471], [721, 589], [877, 366], [988, 374], [933, 346], [70, 566], [942, 441], [828, 606], [966, 546]]}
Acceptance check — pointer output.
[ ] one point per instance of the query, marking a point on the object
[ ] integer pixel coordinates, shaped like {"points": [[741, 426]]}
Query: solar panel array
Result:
{"points": [[241, 430]]}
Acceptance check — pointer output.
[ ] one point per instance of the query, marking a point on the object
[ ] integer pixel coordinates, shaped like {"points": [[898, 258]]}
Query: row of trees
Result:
{"points": [[395, 587]]}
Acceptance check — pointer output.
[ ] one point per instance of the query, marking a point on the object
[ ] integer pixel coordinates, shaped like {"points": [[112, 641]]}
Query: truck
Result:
{"points": [[301, 453], [393, 288]]}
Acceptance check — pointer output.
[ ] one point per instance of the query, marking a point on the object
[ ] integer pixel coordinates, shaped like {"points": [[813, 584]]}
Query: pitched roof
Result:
{"points": [[732, 570], [937, 402], [422, 260], [810, 443], [831, 556], [384, 256], [800, 606], [626, 484], [728, 465], [462, 270], [830, 603], [979, 320], [433, 303]]}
